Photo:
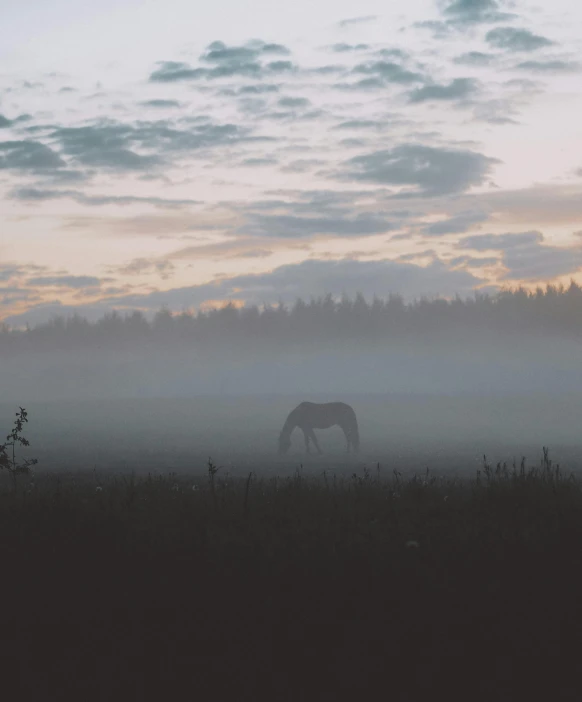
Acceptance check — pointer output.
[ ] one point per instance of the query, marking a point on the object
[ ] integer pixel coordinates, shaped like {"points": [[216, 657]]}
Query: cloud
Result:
{"points": [[163, 226], [342, 47], [426, 170], [392, 53], [369, 84], [221, 54], [295, 116], [290, 226], [500, 242], [326, 70], [315, 278], [141, 146], [280, 66], [303, 165], [388, 72], [524, 85], [458, 89], [498, 111], [514, 39], [357, 20], [353, 143], [440, 30], [39, 195], [63, 176], [311, 278], [294, 102], [541, 263], [14, 272], [65, 281], [15, 295], [105, 146], [525, 256], [473, 262], [258, 162], [463, 12], [227, 62], [9, 271], [253, 105], [258, 89], [174, 71], [5, 122], [551, 205], [361, 124], [28, 156], [550, 66], [253, 253], [474, 58], [141, 266], [458, 224], [239, 247], [332, 203], [40, 314], [161, 104]]}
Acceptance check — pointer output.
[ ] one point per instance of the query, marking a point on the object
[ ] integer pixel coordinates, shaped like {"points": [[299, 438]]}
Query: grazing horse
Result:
{"points": [[309, 416]]}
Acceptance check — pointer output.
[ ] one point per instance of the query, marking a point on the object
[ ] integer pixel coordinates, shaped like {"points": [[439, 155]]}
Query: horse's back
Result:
{"points": [[325, 414], [338, 408], [325, 406]]}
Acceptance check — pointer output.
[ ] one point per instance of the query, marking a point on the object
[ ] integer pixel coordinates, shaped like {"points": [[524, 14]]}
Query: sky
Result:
{"points": [[171, 155]]}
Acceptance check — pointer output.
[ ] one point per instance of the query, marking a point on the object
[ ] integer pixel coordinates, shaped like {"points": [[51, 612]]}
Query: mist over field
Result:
{"points": [[433, 384]]}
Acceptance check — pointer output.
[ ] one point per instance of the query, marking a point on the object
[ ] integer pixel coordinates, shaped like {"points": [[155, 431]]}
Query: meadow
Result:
{"points": [[370, 585], [446, 433]]}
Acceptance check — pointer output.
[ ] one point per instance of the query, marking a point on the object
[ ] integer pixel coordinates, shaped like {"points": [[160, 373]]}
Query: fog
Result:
{"points": [[533, 365], [432, 392]]}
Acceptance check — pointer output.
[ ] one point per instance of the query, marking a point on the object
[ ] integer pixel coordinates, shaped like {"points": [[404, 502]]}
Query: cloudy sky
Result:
{"points": [[168, 154]]}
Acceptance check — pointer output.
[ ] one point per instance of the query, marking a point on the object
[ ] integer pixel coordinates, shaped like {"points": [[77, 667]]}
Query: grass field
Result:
{"points": [[367, 586], [447, 433]]}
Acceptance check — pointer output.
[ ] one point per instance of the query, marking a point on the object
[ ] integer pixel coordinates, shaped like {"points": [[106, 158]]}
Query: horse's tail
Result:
{"points": [[354, 431]]}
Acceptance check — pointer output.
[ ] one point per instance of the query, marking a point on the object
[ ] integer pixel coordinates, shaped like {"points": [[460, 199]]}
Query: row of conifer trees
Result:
{"points": [[551, 309]]}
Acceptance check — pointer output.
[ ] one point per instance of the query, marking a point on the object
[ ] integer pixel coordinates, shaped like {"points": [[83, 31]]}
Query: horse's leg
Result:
{"points": [[348, 439], [306, 437], [314, 439]]}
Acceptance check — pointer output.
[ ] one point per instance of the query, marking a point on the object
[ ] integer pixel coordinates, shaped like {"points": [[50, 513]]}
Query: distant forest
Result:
{"points": [[553, 310]]}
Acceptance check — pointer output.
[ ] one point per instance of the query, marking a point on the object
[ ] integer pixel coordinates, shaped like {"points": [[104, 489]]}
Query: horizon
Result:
{"points": [[332, 303]]}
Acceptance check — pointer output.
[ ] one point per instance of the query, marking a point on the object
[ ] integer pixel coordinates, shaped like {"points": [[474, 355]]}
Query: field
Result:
{"points": [[365, 582], [447, 433]]}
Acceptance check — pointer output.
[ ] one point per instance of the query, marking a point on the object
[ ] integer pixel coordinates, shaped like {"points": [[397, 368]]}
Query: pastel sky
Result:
{"points": [[181, 154]]}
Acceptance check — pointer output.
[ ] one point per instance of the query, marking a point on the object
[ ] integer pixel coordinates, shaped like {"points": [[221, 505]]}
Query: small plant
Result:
{"points": [[212, 471], [247, 489], [15, 437]]}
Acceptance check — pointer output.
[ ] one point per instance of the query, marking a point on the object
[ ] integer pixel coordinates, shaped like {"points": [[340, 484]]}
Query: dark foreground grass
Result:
{"points": [[170, 588]]}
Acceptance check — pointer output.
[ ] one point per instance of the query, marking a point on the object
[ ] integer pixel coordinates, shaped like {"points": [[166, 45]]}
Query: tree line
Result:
{"points": [[553, 309]]}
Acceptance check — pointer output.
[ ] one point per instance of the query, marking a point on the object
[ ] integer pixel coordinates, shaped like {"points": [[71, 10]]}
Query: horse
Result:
{"points": [[310, 415]]}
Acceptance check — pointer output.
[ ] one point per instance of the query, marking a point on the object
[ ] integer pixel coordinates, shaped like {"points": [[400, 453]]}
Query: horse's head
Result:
{"points": [[284, 444]]}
